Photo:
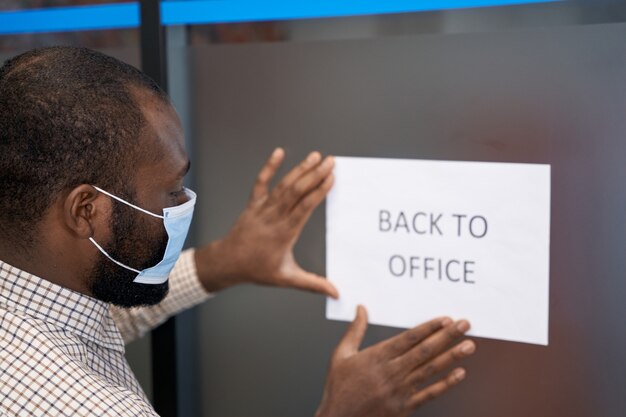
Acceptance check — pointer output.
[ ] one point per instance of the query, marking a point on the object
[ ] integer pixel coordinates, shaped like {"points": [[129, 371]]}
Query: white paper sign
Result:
{"points": [[412, 240]]}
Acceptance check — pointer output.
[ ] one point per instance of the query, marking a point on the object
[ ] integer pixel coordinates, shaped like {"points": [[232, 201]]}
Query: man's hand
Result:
{"points": [[389, 379], [259, 247]]}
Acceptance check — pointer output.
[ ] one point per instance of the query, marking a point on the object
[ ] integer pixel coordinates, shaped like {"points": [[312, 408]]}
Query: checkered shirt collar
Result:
{"points": [[76, 313]]}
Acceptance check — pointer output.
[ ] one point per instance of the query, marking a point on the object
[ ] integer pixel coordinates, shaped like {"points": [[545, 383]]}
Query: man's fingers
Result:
{"points": [[433, 345], [266, 174], [305, 207], [436, 389], [309, 162], [310, 282], [307, 182], [441, 362], [405, 341], [353, 337]]}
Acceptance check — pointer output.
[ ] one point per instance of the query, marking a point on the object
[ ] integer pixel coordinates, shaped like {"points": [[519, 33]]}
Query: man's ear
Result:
{"points": [[83, 209]]}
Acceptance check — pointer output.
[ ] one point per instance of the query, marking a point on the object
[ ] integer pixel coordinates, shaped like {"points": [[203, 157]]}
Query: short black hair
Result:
{"points": [[68, 116]]}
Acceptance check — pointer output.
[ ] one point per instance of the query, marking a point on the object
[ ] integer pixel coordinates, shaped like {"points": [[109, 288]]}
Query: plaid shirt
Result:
{"points": [[62, 352]]}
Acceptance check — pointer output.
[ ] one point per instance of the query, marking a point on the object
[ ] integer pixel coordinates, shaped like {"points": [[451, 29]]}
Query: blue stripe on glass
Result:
{"points": [[181, 12], [64, 19], [126, 15]]}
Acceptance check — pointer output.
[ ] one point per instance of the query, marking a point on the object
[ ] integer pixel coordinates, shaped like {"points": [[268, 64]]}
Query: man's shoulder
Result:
{"points": [[33, 350], [22, 332], [41, 374]]}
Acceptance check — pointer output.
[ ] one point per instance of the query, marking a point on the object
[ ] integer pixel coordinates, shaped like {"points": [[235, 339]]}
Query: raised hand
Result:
{"points": [[388, 379], [259, 247]]}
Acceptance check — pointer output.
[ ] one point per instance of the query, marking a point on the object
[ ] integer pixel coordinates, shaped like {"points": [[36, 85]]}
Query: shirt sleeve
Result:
{"points": [[185, 292]]}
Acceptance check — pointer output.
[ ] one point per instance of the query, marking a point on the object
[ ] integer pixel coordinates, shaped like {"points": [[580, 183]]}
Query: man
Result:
{"points": [[93, 214]]}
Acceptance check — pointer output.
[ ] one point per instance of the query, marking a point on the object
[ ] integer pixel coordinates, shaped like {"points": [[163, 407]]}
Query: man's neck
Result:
{"points": [[43, 263]]}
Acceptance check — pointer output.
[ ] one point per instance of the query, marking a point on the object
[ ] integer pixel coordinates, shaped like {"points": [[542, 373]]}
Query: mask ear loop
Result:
{"points": [[92, 240], [109, 256], [127, 203]]}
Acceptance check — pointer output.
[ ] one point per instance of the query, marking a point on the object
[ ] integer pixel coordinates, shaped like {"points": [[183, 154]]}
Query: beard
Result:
{"points": [[136, 242]]}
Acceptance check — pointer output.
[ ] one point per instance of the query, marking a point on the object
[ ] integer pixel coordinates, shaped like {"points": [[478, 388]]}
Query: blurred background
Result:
{"points": [[535, 82]]}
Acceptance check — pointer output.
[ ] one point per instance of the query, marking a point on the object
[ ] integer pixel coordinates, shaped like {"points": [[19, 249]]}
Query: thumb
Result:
{"points": [[308, 281], [349, 344]]}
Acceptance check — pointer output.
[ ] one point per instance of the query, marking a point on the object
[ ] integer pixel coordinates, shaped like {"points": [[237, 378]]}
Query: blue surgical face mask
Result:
{"points": [[176, 221]]}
